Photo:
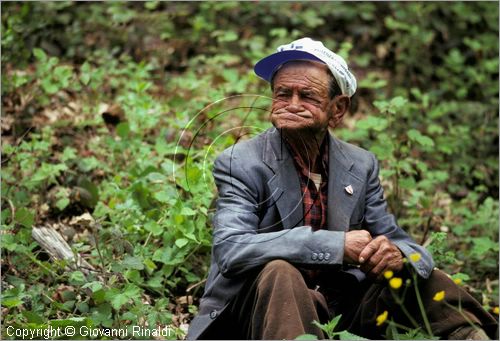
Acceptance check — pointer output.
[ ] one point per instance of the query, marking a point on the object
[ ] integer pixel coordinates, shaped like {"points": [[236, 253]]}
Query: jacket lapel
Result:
{"points": [[284, 185], [341, 199]]}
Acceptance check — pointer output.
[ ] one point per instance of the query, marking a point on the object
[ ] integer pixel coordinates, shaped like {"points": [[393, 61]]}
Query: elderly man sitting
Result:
{"points": [[301, 232]]}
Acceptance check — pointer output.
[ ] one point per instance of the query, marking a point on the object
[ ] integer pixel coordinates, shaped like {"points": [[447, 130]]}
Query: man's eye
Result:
{"points": [[311, 98]]}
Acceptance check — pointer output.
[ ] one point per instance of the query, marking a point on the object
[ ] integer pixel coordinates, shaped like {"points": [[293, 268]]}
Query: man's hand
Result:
{"points": [[379, 256], [355, 242]]}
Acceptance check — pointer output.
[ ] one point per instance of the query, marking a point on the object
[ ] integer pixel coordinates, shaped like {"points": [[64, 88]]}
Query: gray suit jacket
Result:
{"points": [[259, 216]]}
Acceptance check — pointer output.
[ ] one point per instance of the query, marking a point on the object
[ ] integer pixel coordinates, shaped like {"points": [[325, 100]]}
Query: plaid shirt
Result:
{"points": [[314, 202]]}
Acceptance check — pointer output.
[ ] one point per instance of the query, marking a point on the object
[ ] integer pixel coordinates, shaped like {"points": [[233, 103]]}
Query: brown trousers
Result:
{"points": [[279, 303]]}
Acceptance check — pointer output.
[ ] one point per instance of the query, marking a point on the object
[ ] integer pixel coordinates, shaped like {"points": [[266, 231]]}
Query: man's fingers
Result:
{"points": [[380, 255], [396, 263], [369, 250], [355, 242], [379, 269], [377, 262]]}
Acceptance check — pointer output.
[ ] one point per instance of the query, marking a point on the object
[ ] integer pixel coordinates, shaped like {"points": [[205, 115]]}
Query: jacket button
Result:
{"points": [[327, 256], [213, 314], [321, 255], [314, 256]]}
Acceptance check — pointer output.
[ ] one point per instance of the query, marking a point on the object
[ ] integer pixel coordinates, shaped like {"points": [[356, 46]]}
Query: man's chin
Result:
{"points": [[291, 129]]}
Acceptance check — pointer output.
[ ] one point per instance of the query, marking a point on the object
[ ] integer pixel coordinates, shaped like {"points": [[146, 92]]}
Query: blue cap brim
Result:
{"points": [[266, 67]]}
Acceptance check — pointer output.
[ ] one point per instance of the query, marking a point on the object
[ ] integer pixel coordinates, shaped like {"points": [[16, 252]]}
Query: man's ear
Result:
{"points": [[338, 107]]}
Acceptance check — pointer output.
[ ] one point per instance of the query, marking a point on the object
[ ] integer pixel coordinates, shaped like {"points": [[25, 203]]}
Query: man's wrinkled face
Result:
{"points": [[300, 98]]}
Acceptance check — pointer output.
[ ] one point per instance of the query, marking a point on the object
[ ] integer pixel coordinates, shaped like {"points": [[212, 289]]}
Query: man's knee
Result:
{"points": [[279, 268], [439, 275], [280, 265], [440, 281]]}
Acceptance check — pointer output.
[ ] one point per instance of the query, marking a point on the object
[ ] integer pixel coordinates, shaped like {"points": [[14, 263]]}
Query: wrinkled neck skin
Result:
{"points": [[306, 146]]}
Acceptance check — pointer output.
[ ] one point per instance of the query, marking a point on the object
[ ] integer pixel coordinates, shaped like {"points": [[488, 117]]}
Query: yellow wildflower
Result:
{"points": [[388, 274], [495, 310], [395, 282], [415, 257], [457, 281], [382, 318], [439, 296]]}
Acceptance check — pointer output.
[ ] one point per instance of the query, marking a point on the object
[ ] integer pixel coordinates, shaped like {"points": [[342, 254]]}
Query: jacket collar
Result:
{"points": [[275, 152]]}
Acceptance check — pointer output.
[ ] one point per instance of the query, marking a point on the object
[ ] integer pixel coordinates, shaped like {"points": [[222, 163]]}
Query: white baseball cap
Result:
{"points": [[308, 49]]}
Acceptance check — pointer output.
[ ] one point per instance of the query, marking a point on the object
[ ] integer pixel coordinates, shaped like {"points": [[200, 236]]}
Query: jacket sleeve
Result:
{"points": [[379, 222], [237, 244]]}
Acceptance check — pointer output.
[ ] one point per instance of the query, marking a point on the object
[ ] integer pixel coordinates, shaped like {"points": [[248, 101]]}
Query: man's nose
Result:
{"points": [[294, 104]]}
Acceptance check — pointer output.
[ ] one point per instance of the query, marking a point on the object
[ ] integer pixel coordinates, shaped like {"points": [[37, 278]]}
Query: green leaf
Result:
{"points": [[89, 163], [134, 276], [156, 282], [306, 337], [161, 256], [123, 129], [71, 321], [83, 307], [62, 73], [329, 327], [187, 211], [383, 152], [103, 315], [132, 291], [68, 154], [47, 171], [33, 317], [11, 302], [150, 265], [118, 300], [40, 55], [61, 204], [482, 245], [11, 243], [4, 215], [49, 87], [181, 242], [129, 316], [91, 188], [227, 36], [25, 217], [85, 73], [94, 286], [77, 278], [461, 276], [99, 296], [130, 262], [153, 227], [417, 136], [151, 5], [165, 196], [398, 102], [345, 335], [372, 122]]}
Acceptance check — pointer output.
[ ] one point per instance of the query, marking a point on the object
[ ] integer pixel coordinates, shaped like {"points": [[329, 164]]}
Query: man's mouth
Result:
{"points": [[290, 115]]}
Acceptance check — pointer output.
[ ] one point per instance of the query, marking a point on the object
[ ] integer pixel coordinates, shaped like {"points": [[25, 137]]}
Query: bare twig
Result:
{"points": [[19, 140], [426, 229], [192, 286]]}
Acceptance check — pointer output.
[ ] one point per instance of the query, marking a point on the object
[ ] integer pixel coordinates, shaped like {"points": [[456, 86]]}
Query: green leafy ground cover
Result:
{"points": [[117, 110]]}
